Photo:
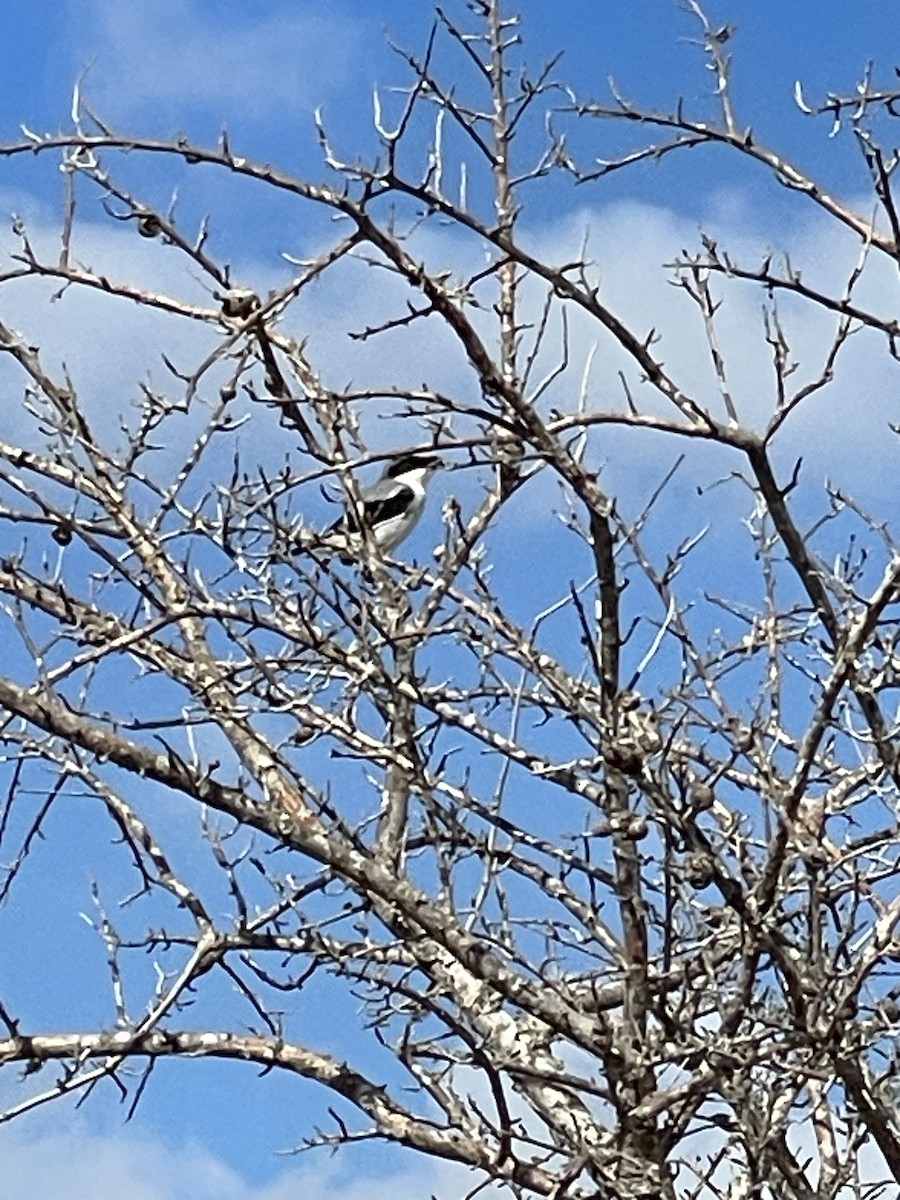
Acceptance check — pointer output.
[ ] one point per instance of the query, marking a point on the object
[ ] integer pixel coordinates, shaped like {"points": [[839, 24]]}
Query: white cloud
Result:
{"points": [[630, 243], [86, 1166], [109, 345], [81, 1164], [174, 52]]}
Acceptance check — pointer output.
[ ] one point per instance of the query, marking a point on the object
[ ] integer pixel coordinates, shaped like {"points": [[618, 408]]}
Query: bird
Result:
{"points": [[388, 510]]}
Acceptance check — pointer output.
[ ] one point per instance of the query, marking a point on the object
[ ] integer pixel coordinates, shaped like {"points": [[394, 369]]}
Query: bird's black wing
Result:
{"points": [[390, 500], [376, 509]]}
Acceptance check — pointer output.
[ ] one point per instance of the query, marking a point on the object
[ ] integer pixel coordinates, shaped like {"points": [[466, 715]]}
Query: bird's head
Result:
{"points": [[413, 462]]}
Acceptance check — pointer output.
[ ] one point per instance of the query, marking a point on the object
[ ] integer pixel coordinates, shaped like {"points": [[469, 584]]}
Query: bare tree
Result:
{"points": [[611, 878]]}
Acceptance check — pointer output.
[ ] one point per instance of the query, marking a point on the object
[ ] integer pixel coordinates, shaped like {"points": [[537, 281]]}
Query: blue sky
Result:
{"points": [[186, 66], [178, 65]]}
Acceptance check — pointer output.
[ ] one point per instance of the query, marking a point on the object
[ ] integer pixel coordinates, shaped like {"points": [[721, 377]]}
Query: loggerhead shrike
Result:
{"points": [[389, 509]]}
